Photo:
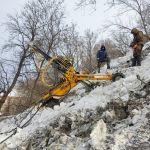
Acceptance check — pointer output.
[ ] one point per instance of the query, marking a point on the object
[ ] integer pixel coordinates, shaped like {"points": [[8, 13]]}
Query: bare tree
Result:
{"points": [[50, 31], [137, 6], [71, 45], [14, 81], [146, 14], [121, 41], [82, 3], [89, 42], [38, 20], [4, 81]]}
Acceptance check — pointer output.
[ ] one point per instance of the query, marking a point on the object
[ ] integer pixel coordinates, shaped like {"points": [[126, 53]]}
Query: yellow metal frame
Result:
{"points": [[81, 77], [71, 80]]}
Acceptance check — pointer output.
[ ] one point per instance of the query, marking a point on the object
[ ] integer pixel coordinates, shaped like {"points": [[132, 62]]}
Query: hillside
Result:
{"points": [[113, 116]]}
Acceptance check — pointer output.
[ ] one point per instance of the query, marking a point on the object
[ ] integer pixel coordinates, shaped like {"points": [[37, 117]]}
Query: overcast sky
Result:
{"points": [[8, 7], [84, 18], [88, 18]]}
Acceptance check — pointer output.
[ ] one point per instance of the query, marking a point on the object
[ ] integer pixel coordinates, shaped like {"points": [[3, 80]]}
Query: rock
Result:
{"points": [[26, 146], [56, 107], [120, 140], [65, 124], [56, 135], [136, 118], [3, 147], [64, 139], [134, 112], [141, 146], [98, 135], [109, 116], [120, 109], [148, 115], [124, 94], [62, 104], [85, 146], [84, 131]]}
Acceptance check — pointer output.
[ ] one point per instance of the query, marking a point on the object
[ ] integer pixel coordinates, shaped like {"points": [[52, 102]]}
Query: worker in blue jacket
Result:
{"points": [[102, 57]]}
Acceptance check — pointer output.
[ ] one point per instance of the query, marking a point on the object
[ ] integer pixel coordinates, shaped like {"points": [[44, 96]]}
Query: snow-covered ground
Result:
{"points": [[108, 130]]}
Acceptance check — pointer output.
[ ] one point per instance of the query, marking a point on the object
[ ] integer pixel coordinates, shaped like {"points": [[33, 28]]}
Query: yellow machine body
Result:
{"points": [[70, 77], [71, 80]]}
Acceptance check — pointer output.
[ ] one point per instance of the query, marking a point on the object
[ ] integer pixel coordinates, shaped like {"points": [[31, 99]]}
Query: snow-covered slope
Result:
{"points": [[114, 116]]}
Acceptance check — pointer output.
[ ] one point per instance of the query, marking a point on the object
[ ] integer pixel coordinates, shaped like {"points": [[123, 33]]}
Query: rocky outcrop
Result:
{"points": [[120, 126]]}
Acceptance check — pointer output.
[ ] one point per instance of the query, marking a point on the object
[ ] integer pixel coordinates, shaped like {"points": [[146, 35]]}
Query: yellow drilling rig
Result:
{"points": [[70, 77]]}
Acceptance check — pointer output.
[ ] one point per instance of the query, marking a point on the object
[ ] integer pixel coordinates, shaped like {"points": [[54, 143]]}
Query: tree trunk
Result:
{"points": [[5, 95]]}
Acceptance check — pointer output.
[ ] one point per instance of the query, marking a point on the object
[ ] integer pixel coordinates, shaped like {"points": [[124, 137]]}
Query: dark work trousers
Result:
{"points": [[100, 63], [136, 61]]}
